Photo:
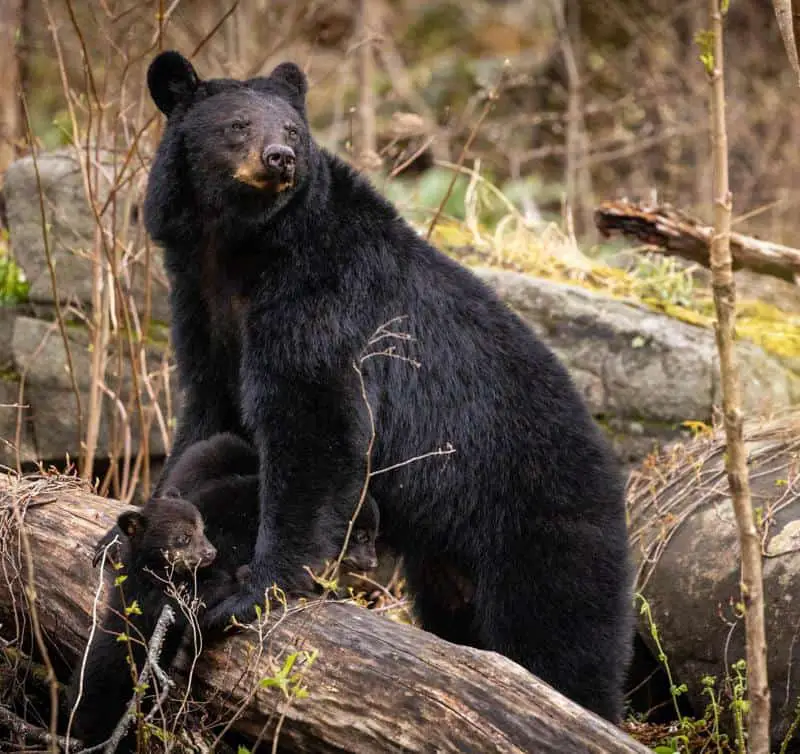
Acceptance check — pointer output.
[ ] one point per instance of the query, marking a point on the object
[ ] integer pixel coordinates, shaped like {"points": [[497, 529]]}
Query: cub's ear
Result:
{"points": [[171, 79], [292, 76], [132, 523], [171, 491]]}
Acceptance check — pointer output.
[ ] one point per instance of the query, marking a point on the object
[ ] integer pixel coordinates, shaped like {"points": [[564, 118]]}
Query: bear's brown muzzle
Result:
{"points": [[273, 168]]}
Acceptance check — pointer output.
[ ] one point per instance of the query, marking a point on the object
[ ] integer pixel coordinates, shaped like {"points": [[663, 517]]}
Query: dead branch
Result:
{"points": [[675, 233], [785, 16], [374, 685], [366, 151], [12, 14], [166, 619]]}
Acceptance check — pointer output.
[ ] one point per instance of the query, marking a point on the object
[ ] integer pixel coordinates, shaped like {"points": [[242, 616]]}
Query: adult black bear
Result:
{"points": [[288, 272], [165, 540]]}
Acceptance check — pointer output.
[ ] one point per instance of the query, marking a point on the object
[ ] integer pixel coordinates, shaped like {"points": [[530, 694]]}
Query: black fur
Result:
{"points": [[108, 683], [276, 294], [220, 476]]}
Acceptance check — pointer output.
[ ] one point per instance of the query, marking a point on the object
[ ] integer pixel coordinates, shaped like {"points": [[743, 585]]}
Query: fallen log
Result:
{"points": [[675, 233], [374, 685]]}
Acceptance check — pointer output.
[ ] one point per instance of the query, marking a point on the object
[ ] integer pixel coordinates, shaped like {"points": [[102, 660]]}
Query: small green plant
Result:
{"points": [[739, 704], [690, 731], [13, 286], [792, 728], [289, 683], [713, 711], [663, 280], [661, 655]]}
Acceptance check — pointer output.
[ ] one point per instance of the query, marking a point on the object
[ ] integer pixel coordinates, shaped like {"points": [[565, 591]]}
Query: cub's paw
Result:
{"points": [[244, 576]]}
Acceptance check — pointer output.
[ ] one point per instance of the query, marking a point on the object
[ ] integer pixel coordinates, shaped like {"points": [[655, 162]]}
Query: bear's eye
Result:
{"points": [[239, 125], [183, 540], [291, 132]]}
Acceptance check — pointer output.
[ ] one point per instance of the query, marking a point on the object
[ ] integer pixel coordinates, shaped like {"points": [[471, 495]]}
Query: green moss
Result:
{"points": [[663, 286]]}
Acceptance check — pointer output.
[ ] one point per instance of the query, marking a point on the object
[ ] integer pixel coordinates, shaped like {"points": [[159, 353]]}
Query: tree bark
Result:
{"points": [[366, 148], [375, 685], [785, 16], [677, 234], [724, 289], [11, 12], [578, 173]]}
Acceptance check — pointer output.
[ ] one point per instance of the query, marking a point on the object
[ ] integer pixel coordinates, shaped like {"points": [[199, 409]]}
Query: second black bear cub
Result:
{"points": [[220, 476], [167, 540]]}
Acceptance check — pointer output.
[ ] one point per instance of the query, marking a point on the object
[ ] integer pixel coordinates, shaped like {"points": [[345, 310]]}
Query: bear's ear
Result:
{"points": [[171, 79], [292, 76], [132, 523], [171, 491]]}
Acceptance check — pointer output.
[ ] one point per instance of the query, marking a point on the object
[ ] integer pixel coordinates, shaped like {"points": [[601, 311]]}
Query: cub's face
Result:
{"points": [[170, 532], [361, 554]]}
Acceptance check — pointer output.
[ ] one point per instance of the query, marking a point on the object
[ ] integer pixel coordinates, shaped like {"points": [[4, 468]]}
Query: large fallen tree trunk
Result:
{"points": [[375, 685], [675, 233]]}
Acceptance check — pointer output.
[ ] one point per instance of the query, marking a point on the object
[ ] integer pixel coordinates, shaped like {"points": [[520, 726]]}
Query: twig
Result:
{"points": [[487, 107], [30, 592], [785, 16], [366, 152], [214, 29], [33, 732], [52, 270], [165, 620], [578, 175], [92, 630], [752, 587], [446, 451]]}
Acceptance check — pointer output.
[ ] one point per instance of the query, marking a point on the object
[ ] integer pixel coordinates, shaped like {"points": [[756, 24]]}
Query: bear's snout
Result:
{"points": [[279, 160], [208, 554]]}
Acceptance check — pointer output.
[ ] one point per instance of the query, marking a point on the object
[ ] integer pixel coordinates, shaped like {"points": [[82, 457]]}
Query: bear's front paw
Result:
{"points": [[242, 606]]}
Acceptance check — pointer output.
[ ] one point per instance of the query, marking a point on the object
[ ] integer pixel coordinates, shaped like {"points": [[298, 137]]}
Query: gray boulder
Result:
{"points": [[685, 542], [641, 372], [50, 407], [72, 229]]}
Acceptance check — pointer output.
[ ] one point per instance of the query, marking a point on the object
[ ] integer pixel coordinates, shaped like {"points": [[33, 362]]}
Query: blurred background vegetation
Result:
{"points": [[503, 123], [601, 99]]}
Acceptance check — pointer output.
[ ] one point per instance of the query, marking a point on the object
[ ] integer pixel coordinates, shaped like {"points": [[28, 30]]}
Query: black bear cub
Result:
{"points": [[300, 298], [166, 540], [220, 476]]}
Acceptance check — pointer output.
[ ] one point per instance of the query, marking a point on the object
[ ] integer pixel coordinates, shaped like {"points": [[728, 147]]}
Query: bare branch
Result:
{"points": [[752, 586], [785, 16]]}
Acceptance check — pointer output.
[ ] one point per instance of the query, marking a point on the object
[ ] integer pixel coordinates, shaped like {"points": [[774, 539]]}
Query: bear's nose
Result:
{"points": [[278, 157]]}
